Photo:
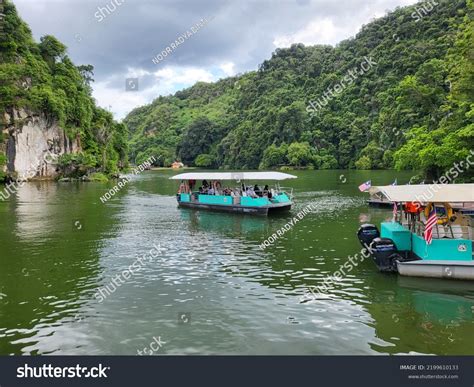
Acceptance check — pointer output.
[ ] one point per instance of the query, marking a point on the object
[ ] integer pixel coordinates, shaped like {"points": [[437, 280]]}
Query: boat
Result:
{"points": [[377, 200], [234, 199], [400, 245]]}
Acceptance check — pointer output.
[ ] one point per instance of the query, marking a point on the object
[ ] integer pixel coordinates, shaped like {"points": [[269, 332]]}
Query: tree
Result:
{"points": [[436, 148], [76, 164], [274, 156], [364, 163], [197, 139], [374, 153], [51, 49], [204, 160], [299, 154], [324, 160], [87, 74], [3, 161]]}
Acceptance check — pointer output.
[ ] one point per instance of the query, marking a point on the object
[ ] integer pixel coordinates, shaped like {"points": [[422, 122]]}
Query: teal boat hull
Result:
{"points": [[237, 209], [443, 258], [241, 205]]}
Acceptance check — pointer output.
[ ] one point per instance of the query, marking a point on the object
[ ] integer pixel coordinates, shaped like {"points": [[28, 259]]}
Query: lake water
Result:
{"points": [[211, 289]]}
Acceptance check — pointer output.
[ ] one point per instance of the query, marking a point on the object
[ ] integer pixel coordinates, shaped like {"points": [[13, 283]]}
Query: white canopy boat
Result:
{"points": [[213, 194]]}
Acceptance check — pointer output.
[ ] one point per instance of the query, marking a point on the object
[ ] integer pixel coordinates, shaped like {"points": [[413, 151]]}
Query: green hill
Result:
{"points": [[412, 108]]}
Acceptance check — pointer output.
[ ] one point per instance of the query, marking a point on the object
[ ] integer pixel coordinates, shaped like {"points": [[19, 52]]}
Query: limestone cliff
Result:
{"points": [[32, 143]]}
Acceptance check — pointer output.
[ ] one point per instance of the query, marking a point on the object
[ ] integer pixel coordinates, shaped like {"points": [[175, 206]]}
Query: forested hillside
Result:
{"points": [[38, 80], [413, 109]]}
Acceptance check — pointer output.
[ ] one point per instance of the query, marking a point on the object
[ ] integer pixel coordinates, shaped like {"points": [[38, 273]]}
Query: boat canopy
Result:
{"points": [[233, 176], [425, 193]]}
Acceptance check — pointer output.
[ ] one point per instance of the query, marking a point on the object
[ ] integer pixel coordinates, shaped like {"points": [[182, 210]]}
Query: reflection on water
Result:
{"points": [[60, 244], [216, 222], [425, 316]]}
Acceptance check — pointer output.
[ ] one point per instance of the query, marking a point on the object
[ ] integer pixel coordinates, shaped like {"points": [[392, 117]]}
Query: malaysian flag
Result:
{"points": [[365, 186], [432, 219]]}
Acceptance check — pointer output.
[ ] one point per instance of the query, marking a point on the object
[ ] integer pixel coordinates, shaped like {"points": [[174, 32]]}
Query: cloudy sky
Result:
{"points": [[120, 38]]}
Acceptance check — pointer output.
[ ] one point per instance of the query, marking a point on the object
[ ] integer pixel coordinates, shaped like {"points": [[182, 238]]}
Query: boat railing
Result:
{"points": [[456, 231], [287, 190]]}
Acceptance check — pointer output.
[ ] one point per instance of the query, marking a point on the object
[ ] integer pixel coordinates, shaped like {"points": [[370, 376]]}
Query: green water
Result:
{"points": [[211, 290]]}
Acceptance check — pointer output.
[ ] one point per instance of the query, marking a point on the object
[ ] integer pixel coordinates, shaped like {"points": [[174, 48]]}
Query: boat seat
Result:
{"points": [[453, 232], [439, 233], [457, 231]]}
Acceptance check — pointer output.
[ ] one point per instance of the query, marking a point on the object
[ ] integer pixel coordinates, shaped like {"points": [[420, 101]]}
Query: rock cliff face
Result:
{"points": [[32, 142]]}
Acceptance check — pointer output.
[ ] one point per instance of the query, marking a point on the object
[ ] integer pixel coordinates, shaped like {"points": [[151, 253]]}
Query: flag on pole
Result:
{"points": [[432, 219], [395, 182], [365, 186]]}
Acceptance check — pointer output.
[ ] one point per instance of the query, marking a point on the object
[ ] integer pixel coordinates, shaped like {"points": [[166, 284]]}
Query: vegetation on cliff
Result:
{"points": [[41, 78]]}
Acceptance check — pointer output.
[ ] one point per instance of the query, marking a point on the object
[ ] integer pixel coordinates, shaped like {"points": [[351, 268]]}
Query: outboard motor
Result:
{"points": [[385, 254], [367, 233]]}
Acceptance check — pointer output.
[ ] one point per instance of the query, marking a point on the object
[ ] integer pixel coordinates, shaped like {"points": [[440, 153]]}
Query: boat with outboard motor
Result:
{"points": [[402, 245], [243, 199]]}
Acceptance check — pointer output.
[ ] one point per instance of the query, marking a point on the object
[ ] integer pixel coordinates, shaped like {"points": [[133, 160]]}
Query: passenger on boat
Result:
{"points": [[183, 188], [205, 184], [214, 188], [412, 213], [257, 190], [211, 191], [250, 193], [267, 192]]}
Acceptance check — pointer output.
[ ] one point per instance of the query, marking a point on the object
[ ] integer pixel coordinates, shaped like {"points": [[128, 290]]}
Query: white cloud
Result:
{"points": [[169, 77], [228, 68], [335, 28], [322, 31], [163, 82]]}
